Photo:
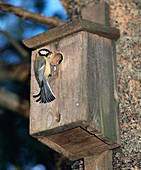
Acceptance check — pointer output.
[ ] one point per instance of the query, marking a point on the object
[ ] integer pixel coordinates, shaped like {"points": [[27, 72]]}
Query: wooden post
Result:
{"points": [[85, 92], [100, 14], [102, 161]]}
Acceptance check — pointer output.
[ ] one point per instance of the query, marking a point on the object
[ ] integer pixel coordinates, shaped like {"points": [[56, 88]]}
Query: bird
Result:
{"points": [[42, 70]]}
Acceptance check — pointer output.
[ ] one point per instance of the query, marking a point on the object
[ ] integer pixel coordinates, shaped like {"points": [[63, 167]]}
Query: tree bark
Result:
{"points": [[27, 15], [24, 54], [13, 102], [65, 3], [10, 72]]}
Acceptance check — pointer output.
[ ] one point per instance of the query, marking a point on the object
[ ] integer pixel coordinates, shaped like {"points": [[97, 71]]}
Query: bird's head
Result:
{"points": [[44, 52]]}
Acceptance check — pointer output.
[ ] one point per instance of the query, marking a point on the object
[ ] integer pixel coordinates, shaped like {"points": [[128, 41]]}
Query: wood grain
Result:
{"points": [[100, 162], [65, 86], [98, 13], [116, 100], [69, 29], [71, 142]]}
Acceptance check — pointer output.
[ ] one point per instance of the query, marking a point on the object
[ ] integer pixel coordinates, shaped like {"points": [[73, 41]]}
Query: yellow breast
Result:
{"points": [[47, 68]]}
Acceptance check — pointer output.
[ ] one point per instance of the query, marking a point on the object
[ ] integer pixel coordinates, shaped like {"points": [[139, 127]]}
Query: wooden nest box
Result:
{"points": [[83, 119]]}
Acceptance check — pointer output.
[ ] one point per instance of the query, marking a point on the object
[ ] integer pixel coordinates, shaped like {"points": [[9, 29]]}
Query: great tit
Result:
{"points": [[42, 70]]}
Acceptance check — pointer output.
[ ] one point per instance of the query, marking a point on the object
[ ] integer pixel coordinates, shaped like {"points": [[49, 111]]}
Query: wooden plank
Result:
{"points": [[57, 148], [76, 139], [71, 142], [98, 13], [102, 161], [69, 29], [114, 65], [107, 90], [58, 129], [69, 102], [92, 79], [100, 85]]}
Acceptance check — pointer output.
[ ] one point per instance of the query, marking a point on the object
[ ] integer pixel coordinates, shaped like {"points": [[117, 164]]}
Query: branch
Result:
{"points": [[65, 3], [14, 72], [16, 45], [13, 102], [27, 15]]}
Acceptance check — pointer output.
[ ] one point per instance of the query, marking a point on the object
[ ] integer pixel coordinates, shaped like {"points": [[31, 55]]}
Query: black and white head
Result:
{"points": [[44, 52]]}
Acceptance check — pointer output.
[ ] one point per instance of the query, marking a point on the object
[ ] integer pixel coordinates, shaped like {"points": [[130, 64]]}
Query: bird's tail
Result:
{"points": [[46, 94]]}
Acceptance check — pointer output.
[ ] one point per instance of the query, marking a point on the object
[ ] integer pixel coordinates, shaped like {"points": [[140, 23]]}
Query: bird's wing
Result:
{"points": [[39, 68]]}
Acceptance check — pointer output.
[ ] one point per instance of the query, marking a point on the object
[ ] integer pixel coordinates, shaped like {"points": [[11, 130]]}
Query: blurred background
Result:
{"points": [[18, 150]]}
